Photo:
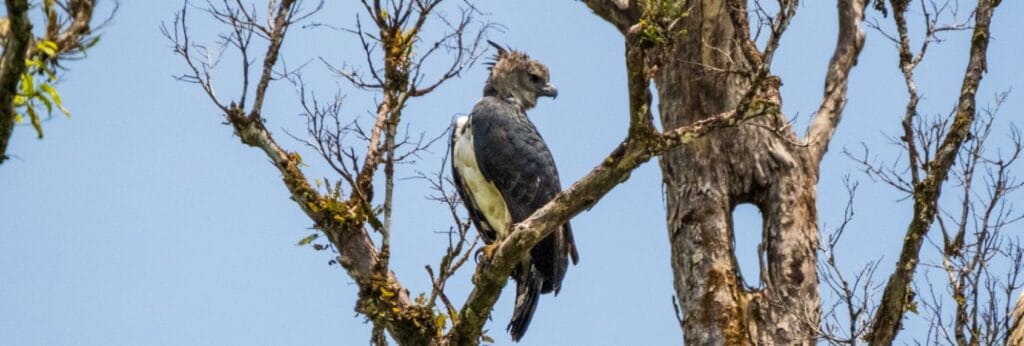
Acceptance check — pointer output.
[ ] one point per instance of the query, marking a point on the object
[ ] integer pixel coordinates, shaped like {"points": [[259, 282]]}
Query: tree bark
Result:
{"points": [[704, 63], [705, 182], [12, 66]]}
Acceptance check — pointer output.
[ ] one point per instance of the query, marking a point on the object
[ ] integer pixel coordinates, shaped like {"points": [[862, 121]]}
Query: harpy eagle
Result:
{"points": [[504, 172]]}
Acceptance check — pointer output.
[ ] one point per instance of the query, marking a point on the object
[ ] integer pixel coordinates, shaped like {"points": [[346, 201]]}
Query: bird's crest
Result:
{"points": [[501, 50], [506, 58]]}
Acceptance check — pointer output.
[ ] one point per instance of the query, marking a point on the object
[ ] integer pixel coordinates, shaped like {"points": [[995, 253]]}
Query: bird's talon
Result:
{"points": [[488, 253]]}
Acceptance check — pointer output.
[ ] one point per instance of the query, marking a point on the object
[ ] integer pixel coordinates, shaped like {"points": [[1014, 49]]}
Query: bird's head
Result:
{"points": [[514, 75]]}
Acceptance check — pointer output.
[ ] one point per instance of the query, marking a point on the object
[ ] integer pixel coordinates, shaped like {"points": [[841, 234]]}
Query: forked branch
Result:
{"points": [[848, 46]]}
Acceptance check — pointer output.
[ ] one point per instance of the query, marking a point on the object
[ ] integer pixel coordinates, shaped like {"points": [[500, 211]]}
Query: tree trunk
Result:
{"points": [[707, 180], [12, 66]]}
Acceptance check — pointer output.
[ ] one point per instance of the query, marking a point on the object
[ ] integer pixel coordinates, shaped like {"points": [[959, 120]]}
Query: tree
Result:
{"points": [[699, 75], [720, 69], [68, 34], [726, 143]]}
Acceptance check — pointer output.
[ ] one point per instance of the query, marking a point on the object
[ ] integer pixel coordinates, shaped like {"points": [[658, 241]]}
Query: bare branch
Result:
{"points": [[200, 63], [898, 295], [848, 47], [854, 295], [1016, 330], [280, 25], [623, 14]]}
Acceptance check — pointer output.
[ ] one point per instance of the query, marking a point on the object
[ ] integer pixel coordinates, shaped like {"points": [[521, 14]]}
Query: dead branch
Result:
{"points": [[854, 295], [848, 46], [620, 13], [898, 295], [973, 240]]}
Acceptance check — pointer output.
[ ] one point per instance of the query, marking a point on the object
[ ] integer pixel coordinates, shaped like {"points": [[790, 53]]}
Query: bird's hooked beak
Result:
{"points": [[549, 90]]}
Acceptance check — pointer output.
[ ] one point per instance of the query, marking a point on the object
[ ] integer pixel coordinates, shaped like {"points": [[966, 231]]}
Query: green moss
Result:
{"points": [[660, 18], [380, 302]]}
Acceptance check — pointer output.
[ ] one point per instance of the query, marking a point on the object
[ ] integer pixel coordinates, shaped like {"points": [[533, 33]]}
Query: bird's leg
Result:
{"points": [[483, 257], [488, 252], [485, 254]]}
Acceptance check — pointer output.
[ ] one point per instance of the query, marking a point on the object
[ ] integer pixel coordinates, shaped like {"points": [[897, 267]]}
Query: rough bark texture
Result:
{"points": [[704, 63], [706, 181], [1016, 332], [12, 66]]}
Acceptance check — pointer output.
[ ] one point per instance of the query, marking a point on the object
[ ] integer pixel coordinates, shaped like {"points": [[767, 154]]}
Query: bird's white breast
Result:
{"points": [[485, 195]]}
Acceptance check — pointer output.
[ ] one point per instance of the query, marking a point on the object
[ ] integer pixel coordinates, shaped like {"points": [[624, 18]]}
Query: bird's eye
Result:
{"points": [[534, 78]]}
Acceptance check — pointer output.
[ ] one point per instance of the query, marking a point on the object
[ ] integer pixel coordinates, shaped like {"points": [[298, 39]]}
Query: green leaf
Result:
{"points": [[28, 85], [50, 75], [50, 90], [46, 102], [441, 320], [36, 122], [91, 43], [308, 239], [47, 47], [18, 118], [34, 63]]}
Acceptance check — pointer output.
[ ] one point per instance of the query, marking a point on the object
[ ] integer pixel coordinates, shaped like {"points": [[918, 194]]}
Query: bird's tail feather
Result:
{"points": [[527, 294], [570, 240]]}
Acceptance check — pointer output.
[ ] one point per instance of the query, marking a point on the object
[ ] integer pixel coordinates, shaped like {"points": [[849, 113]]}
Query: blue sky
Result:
{"points": [[142, 220]]}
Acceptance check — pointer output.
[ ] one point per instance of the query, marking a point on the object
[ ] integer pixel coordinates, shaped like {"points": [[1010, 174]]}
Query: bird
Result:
{"points": [[504, 171]]}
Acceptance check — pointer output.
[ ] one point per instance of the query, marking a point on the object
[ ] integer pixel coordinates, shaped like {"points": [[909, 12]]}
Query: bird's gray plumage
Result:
{"points": [[501, 160]]}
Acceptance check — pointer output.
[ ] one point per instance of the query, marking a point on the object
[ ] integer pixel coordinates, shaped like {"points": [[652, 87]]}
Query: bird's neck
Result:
{"points": [[508, 96]]}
